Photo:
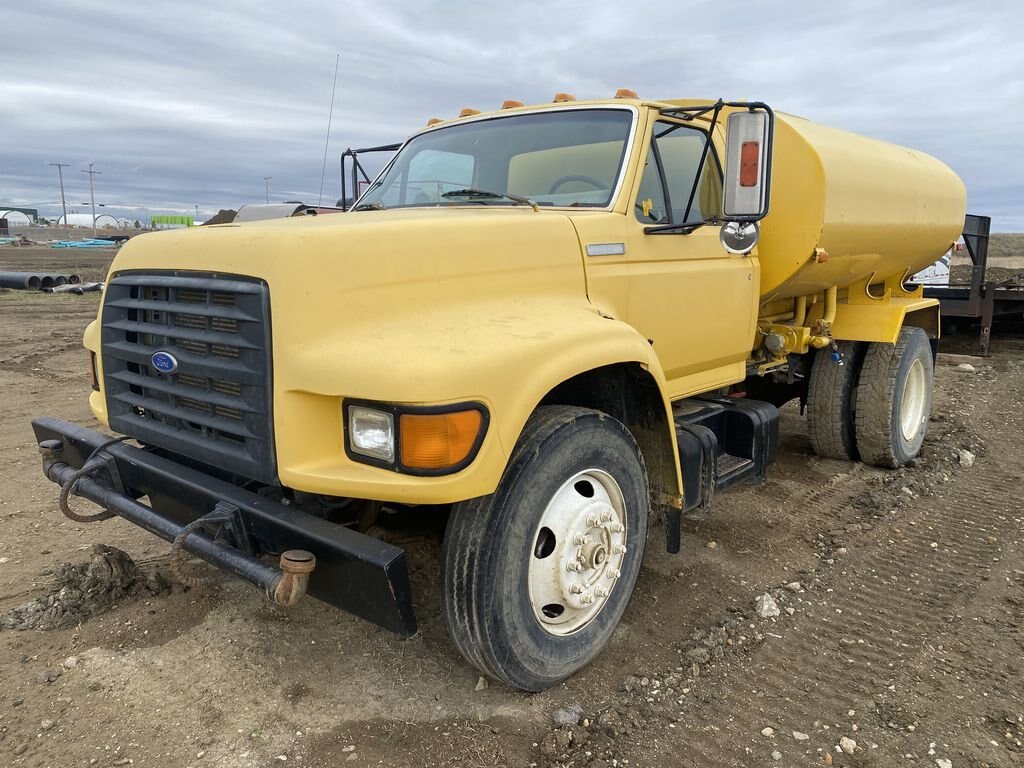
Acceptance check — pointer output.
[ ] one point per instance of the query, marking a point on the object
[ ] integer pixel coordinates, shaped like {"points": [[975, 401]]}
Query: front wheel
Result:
{"points": [[536, 576]]}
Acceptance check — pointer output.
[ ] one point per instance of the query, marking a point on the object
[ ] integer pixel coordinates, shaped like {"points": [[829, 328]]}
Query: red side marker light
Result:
{"points": [[750, 152]]}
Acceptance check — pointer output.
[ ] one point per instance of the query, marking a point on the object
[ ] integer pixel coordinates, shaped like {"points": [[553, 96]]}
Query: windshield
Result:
{"points": [[556, 158]]}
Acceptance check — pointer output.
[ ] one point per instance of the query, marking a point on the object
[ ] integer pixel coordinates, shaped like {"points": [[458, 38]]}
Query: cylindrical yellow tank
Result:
{"points": [[875, 208]]}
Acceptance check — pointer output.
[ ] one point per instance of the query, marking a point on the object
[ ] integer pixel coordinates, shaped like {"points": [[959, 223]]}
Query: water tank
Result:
{"points": [[875, 208]]}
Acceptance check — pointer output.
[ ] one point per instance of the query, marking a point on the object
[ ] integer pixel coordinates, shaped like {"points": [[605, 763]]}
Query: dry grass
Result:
{"points": [[1005, 250], [1007, 245]]}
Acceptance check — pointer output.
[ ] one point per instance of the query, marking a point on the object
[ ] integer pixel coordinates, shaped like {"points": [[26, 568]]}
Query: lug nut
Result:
{"points": [[587, 599], [619, 549], [574, 566], [602, 591], [576, 588], [580, 539], [618, 528], [607, 516], [614, 573], [592, 521]]}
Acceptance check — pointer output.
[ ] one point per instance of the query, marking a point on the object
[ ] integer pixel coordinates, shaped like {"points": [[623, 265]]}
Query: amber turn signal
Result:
{"points": [[438, 440]]}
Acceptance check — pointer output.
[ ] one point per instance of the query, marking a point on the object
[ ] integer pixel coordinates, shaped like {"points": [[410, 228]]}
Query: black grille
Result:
{"points": [[216, 407]]}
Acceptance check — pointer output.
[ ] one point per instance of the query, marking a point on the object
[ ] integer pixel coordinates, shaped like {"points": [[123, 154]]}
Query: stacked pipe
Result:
{"points": [[34, 281]]}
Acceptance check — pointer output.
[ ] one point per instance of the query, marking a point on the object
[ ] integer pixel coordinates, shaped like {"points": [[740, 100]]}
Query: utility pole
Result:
{"points": [[63, 202], [92, 197], [266, 182], [197, 211]]}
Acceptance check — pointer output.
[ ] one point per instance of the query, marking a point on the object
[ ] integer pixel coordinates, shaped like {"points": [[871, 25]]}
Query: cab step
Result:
{"points": [[723, 441]]}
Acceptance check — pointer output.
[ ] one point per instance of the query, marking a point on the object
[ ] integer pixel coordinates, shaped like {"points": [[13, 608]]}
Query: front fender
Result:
{"points": [[513, 353]]}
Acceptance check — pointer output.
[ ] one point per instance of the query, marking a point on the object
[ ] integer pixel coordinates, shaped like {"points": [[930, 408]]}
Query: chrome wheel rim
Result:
{"points": [[577, 552], [914, 401]]}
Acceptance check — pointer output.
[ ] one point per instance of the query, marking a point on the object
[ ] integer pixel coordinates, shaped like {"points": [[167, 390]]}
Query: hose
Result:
{"points": [[177, 548], [68, 487]]}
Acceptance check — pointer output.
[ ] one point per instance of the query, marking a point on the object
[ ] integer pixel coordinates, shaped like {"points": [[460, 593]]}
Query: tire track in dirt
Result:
{"points": [[882, 613]]}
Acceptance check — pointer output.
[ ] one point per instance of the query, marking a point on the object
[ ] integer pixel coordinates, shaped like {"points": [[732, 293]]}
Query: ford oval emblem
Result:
{"points": [[164, 362]]}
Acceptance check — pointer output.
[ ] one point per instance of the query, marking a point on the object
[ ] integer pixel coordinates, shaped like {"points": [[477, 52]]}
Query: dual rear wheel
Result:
{"points": [[875, 405]]}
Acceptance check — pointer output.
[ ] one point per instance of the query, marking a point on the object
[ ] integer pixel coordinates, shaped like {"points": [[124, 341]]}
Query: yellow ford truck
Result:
{"points": [[560, 322]]}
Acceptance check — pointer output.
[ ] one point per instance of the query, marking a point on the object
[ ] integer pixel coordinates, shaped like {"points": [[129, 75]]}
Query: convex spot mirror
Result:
{"points": [[748, 157]]}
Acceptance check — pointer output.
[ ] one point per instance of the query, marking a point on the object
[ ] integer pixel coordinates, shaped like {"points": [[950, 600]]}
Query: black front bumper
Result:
{"points": [[357, 573]]}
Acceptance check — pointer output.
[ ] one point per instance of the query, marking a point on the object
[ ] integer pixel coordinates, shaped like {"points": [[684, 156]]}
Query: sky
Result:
{"points": [[183, 104]]}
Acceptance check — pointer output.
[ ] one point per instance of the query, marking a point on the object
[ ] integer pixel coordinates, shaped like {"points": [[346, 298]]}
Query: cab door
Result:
{"points": [[693, 300]]}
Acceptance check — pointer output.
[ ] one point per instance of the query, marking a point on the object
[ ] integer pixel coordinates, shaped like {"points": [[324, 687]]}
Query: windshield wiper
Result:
{"points": [[480, 195], [370, 207]]}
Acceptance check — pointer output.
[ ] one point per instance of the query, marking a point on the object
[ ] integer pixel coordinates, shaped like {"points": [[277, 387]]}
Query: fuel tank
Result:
{"points": [[872, 208]]}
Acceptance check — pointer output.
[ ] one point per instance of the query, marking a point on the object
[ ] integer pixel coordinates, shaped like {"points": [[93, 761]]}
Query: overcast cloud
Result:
{"points": [[183, 103]]}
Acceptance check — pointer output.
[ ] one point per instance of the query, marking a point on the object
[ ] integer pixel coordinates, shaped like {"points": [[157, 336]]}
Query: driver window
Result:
{"points": [[650, 203], [679, 149]]}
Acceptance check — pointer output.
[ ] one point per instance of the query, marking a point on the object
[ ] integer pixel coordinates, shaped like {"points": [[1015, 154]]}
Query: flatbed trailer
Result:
{"points": [[980, 298]]}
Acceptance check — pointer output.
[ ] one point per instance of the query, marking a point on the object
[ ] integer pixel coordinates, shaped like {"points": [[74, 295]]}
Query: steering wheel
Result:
{"points": [[585, 179]]}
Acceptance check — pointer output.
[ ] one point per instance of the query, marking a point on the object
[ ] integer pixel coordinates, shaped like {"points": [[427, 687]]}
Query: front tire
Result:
{"points": [[536, 576], [894, 399]]}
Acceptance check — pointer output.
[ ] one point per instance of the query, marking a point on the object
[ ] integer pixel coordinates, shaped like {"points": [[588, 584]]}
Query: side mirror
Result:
{"points": [[748, 165]]}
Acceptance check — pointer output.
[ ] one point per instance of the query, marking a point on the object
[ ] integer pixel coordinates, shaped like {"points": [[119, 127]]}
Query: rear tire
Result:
{"points": [[831, 400], [508, 567], [894, 399]]}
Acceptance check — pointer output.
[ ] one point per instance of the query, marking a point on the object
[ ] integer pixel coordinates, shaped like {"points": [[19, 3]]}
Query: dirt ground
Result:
{"points": [[904, 633]]}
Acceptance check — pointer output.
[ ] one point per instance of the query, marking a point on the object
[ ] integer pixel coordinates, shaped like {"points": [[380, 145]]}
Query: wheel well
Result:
{"points": [[630, 394], [927, 319]]}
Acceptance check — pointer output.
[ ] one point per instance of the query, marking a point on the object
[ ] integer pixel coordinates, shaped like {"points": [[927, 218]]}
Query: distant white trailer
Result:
{"points": [[937, 273]]}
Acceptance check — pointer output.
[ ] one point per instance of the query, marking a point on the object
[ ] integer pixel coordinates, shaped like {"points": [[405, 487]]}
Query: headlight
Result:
{"points": [[371, 433], [415, 439]]}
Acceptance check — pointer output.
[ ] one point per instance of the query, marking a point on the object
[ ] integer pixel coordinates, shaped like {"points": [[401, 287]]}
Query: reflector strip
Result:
{"points": [[750, 153]]}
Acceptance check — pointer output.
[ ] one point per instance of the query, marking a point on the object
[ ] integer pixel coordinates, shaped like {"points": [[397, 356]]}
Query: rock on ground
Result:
{"points": [[567, 715], [766, 607]]}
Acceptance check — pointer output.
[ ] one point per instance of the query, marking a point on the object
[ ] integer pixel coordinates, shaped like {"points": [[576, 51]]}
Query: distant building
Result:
{"points": [[19, 217], [103, 221], [163, 221]]}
